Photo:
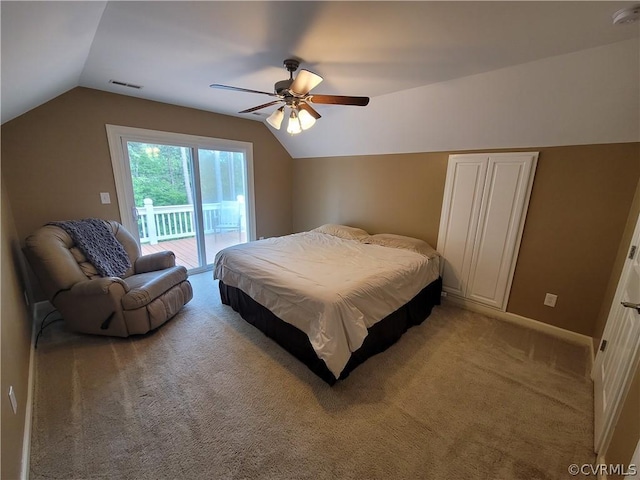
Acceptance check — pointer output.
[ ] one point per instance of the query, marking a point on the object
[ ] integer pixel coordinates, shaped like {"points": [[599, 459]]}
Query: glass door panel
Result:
{"points": [[223, 179], [163, 193]]}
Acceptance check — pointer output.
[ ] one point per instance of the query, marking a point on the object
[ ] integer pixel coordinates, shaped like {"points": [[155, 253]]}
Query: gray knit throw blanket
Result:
{"points": [[96, 240]]}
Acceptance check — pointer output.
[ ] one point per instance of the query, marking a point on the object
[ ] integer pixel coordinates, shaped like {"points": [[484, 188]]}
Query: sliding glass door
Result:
{"points": [[163, 196], [223, 192], [186, 194]]}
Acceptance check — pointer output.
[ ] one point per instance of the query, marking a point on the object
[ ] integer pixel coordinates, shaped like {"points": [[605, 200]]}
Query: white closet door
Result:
{"points": [[504, 205], [459, 220]]}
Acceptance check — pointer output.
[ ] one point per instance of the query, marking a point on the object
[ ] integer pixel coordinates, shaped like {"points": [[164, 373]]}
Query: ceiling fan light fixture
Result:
{"points": [[294, 93], [275, 119], [306, 119], [294, 127]]}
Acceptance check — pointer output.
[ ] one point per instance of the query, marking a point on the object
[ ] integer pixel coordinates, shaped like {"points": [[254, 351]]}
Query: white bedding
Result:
{"points": [[330, 288]]}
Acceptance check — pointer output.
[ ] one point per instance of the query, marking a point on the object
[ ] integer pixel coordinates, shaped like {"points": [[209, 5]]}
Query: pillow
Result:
{"points": [[342, 231], [400, 241]]}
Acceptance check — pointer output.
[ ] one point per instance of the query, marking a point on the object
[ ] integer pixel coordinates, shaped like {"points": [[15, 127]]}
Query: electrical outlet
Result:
{"points": [[12, 398], [105, 198], [550, 300]]}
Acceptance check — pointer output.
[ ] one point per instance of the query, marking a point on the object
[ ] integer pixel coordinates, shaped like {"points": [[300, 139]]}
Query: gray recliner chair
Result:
{"points": [[151, 292]]}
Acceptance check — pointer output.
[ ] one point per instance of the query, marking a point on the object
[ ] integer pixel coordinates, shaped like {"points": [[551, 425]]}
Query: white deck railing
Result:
{"points": [[156, 224]]}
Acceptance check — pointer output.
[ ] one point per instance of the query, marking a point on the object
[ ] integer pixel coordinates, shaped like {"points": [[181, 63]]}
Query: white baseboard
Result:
{"points": [[38, 312], [523, 321], [635, 460]]}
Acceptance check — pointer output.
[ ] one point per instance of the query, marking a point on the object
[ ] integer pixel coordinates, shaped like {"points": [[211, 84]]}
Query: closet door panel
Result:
{"points": [[458, 225], [506, 193]]}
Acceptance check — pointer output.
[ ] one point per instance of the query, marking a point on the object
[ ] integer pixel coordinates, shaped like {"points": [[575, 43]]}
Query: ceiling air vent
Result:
{"points": [[125, 84]]}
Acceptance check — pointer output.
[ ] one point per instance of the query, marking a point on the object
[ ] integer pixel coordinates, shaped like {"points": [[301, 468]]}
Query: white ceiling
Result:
{"points": [[175, 50]]}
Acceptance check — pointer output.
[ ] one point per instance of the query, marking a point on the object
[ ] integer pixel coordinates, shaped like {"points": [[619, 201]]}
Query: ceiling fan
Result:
{"points": [[295, 95]]}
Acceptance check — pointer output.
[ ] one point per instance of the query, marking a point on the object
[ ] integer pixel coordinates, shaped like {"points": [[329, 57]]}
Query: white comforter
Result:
{"points": [[330, 288]]}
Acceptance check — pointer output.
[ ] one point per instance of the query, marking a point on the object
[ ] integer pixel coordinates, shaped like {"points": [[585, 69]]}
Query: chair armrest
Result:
{"points": [[98, 286], [151, 286], [155, 261]]}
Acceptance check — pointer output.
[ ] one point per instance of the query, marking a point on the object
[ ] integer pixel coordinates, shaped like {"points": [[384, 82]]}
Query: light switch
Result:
{"points": [[550, 300], [105, 197]]}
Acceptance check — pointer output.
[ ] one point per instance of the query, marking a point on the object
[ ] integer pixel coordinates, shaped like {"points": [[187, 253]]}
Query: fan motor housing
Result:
{"points": [[282, 86]]}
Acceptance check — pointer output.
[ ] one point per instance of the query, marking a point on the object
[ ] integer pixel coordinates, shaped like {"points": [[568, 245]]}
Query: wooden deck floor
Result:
{"points": [[186, 249]]}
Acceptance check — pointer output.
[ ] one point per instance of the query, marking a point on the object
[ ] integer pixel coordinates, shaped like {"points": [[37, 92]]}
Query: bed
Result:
{"points": [[333, 296]]}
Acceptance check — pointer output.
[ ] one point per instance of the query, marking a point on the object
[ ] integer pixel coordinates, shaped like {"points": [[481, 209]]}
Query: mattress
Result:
{"points": [[330, 288]]}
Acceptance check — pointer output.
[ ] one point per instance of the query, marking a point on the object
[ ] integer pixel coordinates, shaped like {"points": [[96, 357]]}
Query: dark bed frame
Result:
{"points": [[380, 337]]}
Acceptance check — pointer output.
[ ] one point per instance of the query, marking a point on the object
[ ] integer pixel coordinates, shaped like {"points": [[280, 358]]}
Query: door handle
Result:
{"points": [[635, 306]]}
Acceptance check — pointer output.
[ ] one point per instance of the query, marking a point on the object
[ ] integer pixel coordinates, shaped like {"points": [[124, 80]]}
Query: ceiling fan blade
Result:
{"points": [[309, 109], [259, 107], [304, 82], [338, 100], [238, 89]]}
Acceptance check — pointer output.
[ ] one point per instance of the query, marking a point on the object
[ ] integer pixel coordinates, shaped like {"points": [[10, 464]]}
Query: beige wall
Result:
{"points": [[16, 340], [381, 193], [577, 214], [578, 211], [55, 158]]}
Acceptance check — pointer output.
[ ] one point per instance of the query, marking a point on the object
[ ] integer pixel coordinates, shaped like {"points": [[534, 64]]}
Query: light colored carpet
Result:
{"points": [[208, 396]]}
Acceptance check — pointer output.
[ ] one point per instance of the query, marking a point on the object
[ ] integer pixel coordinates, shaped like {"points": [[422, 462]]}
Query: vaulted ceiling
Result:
{"points": [[175, 50]]}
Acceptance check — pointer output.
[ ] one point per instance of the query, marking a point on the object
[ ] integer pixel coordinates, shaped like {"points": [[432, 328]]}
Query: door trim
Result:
{"points": [[122, 177], [602, 444], [117, 135]]}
